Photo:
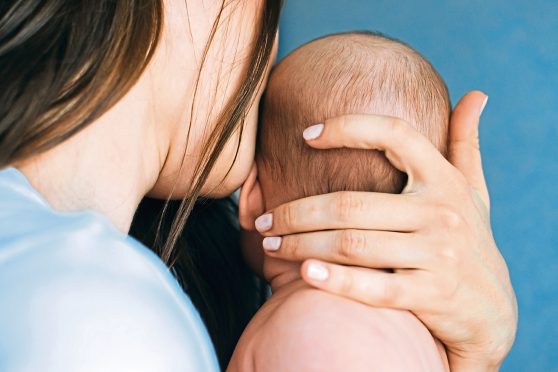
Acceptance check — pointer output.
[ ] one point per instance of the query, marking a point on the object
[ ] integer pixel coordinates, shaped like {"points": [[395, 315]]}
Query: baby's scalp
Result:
{"points": [[348, 73]]}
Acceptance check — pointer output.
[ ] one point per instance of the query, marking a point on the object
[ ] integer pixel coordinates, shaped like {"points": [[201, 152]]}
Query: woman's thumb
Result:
{"points": [[463, 148]]}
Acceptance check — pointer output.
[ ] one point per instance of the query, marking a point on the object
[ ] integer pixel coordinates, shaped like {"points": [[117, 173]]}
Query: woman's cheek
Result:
{"points": [[217, 186]]}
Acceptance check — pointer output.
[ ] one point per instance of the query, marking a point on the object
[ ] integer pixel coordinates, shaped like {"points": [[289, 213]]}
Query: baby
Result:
{"points": [[301, 328]]}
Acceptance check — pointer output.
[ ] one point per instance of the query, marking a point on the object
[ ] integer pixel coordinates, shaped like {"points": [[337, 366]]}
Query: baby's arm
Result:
{"points": [[304, 329]]}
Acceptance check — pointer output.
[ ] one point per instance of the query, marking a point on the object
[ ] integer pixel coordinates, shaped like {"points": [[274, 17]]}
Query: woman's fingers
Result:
{"points": [[464, 150], [369, 286], [405, 148], [346, 209], [373, 249]]}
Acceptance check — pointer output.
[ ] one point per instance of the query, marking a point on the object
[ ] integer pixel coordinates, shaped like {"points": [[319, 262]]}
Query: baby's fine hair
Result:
{"points": [[348, 73]]}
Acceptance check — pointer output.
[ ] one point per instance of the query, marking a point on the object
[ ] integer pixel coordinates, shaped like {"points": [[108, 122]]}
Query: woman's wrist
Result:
{"points": [[459, 364]]}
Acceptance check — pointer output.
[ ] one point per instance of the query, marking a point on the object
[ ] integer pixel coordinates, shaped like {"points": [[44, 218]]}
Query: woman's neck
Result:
{"points": [[108, 166]]}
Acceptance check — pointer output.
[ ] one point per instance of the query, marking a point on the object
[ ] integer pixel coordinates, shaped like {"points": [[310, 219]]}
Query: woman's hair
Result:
{"points": [[65, 63]]}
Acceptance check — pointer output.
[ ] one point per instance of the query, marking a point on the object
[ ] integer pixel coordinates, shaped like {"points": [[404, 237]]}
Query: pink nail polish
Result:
{"points": [[483, 105], [272, 243], [264, 222], [313, 132], [317, 271]]}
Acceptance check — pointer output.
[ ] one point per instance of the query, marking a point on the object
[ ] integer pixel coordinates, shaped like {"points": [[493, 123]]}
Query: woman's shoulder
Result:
{"points": [[77, 294]]}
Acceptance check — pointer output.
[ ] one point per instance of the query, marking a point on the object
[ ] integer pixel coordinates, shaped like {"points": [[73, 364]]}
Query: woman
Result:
{"points": [[106, 102]]}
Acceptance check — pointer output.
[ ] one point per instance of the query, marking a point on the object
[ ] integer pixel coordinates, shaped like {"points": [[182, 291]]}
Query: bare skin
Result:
{"points": [[436, 234], [301, 327], [304, 329], [137, 147]]}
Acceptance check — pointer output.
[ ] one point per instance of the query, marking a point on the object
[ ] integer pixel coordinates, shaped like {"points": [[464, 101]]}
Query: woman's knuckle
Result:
{"points": [[395, 124], [449, 256], [450, 218], [399, 129], [351, 242], [345, 205], [291, 246], [288, 217]]}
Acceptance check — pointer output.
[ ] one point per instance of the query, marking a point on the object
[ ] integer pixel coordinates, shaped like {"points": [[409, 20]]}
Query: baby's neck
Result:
{"points": [[279, 273]]}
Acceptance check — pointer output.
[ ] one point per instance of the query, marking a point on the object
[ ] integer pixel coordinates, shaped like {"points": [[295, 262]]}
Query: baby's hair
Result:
{"points": [[349, 73]]}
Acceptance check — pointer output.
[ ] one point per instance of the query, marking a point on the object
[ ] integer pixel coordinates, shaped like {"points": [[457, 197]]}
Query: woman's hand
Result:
{"points": [[436, 236]]}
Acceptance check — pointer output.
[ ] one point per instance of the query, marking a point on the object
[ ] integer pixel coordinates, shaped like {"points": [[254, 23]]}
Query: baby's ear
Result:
{"points": [[250, 202]]}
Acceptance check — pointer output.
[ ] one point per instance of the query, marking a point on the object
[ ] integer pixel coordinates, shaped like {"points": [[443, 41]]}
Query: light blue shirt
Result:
{"points": [[78, 295]]}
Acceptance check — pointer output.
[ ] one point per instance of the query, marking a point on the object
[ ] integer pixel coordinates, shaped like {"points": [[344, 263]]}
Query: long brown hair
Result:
{"points": [[204, 251], [64, 63]]}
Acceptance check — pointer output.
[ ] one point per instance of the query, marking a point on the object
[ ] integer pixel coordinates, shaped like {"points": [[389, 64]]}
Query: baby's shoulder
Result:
{"points": [[320, 331]]}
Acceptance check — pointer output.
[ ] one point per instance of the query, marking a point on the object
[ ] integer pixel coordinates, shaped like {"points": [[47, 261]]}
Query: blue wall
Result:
{"points": [[509, 49]]}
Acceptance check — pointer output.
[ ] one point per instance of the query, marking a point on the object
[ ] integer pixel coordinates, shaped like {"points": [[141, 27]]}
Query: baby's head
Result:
{"points": [[350, 73]]}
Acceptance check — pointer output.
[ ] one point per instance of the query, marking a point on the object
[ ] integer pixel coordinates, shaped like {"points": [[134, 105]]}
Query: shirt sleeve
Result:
{"points": [[110, 309]]}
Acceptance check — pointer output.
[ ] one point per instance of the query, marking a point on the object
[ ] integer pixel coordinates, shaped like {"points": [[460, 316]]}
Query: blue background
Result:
{"points": [[509, 49]]}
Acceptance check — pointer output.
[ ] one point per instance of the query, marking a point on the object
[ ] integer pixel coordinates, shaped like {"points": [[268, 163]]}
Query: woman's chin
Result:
{"points": [[219, 187], [224, 189]]}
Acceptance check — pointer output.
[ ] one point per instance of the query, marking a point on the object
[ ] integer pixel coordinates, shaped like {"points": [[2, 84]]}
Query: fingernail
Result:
{"points": [[483, 105], [313, 132], [263, 223], [317, 271], [272, 243]]}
